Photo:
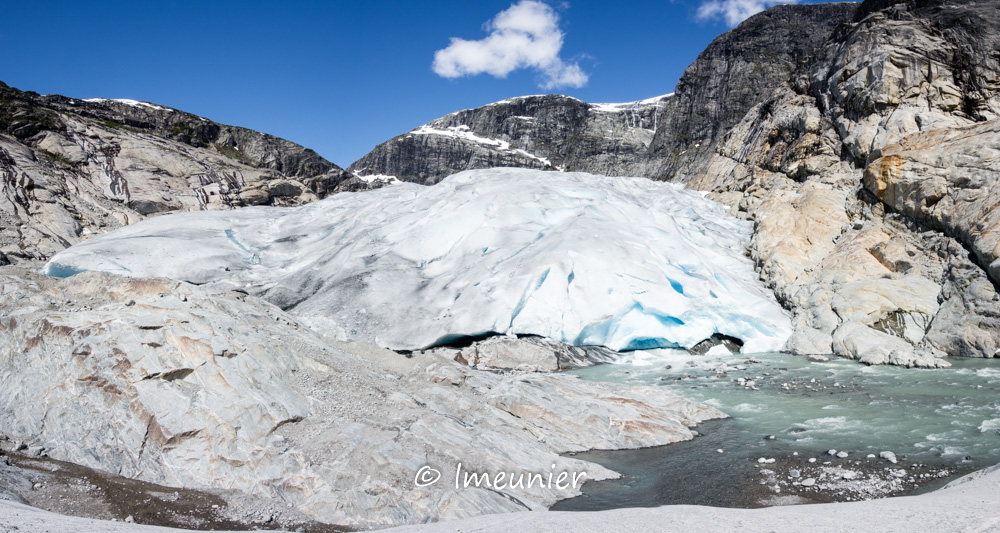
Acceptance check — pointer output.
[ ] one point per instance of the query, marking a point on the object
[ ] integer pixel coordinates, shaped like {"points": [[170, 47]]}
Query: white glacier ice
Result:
{"points": [[623, 262]]}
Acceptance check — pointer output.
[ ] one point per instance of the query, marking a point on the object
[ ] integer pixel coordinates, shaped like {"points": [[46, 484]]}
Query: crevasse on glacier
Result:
{"points": [[623, 262]]}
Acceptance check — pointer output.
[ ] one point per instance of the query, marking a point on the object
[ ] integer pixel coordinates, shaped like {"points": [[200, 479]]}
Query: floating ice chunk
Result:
{"points": [[622, 262], [991, 425]]}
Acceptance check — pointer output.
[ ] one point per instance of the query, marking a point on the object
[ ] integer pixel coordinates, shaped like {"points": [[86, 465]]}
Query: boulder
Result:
{"points": [[510, 353]]}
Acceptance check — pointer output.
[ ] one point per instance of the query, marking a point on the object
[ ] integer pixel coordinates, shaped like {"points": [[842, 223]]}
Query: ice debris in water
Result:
{"points": [[627, 263]]}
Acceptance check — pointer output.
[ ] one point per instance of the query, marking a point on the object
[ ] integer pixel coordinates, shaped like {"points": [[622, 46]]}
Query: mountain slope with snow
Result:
{"points": [[550, 132], [589, 260]]}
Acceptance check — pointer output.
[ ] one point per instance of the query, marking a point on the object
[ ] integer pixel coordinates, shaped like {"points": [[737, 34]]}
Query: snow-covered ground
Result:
{"points": [[372, 178], [969, 504], [621, 262]]}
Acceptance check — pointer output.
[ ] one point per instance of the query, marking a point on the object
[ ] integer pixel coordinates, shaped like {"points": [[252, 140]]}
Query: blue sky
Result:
{"points": [[340, 77]]}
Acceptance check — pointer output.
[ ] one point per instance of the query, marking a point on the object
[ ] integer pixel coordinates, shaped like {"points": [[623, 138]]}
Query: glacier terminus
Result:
{"points": [[626, 263]]}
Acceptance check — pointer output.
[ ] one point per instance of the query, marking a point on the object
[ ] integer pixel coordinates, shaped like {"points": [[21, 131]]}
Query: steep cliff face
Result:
{"points": [[70, 168], [910, 67], [738, 70], [870, 184], [544, 132]]}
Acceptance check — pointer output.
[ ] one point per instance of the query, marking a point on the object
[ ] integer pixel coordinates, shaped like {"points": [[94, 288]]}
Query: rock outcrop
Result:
{"points": [[737, 71], [176, 384], [73, 168], [944, 179], [843, 175], [526, 353]]}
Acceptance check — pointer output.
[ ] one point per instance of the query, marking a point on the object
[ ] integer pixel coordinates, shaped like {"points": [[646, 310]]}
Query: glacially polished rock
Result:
{"points": [[180, 385]]}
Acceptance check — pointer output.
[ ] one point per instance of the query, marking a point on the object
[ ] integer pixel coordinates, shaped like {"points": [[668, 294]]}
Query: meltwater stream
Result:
{"points": [[942, 417]]}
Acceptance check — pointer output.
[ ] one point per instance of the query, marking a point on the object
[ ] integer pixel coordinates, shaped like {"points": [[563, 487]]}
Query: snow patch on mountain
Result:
{"points": [[625, 106], [377, 178], [626, 263], [464, 132], [126, 101], [518, 99]]}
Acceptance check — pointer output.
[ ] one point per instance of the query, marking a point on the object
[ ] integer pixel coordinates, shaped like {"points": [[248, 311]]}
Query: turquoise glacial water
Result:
{"points": [[943, 417], [926, 414]]}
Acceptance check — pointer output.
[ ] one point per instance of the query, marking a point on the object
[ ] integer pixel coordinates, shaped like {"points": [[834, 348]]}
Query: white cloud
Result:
{"points": [[736, 11], [526, 35]]}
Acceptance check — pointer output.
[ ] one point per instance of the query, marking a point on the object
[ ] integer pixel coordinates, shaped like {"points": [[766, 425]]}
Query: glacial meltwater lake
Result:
{"points": [[942, 417]]}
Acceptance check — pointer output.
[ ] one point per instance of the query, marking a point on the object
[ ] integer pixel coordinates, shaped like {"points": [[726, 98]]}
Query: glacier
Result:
{"points": [[626, 263]]}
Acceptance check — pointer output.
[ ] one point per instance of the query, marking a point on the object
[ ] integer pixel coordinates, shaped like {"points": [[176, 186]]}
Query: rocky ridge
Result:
{"points": [[666, 137], [73, 168]]}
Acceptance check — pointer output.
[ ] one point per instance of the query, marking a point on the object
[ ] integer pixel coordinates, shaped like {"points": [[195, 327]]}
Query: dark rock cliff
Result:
{"points": [[737, 71]]}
